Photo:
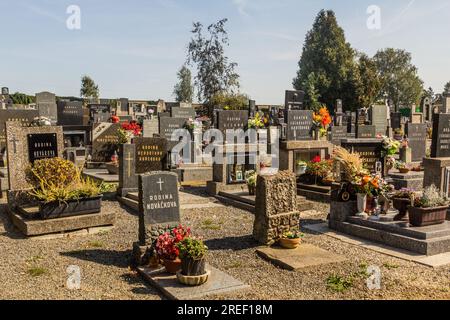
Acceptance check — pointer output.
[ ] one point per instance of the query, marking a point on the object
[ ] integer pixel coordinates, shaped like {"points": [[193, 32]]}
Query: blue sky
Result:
{"points": [[134, 48]]}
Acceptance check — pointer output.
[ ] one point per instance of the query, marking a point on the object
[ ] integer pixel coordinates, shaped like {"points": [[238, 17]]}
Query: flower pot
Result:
{"points": [[251, 190], [56, 209], [193, 280], [300, 170], [361, 201], [420, 217], [401, 204], [403, 170], [192, 267], [172, 266], [289, 243], [370, 204]]}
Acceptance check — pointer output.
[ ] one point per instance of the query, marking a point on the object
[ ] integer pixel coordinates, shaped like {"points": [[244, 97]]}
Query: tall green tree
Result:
{"points": [[89, 90], [330, 58], [399, 77], [368, 81], [184, 90], [447, 87], [215, 73], [21, 98]]}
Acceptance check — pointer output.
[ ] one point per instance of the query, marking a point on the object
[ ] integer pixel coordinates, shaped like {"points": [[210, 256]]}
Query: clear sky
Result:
{"points": [[134, 48]]}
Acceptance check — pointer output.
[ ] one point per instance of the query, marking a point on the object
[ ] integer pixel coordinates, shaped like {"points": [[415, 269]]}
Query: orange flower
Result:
{"points": [[366, 179]]}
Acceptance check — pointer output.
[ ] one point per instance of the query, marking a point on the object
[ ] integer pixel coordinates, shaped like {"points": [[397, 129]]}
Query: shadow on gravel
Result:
{"points": [[311, 221], [196, 191], [232, 243], [140, 286], [115, 258], [8, 228]]}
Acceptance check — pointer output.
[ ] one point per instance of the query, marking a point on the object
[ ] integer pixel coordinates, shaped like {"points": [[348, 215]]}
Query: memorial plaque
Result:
{"points": [[379, 115], [231, 120], [105, 141], [440, 146], [365, 132], [370, 152], [338, 133], [299, 125], [42, 146], [417, 140], [70, 113], [150, 154], [158, 202], [183, 113]]}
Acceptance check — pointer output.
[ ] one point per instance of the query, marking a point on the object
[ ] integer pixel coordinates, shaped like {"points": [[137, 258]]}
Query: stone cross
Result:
{"points": [[14, 141], [128, 159]]}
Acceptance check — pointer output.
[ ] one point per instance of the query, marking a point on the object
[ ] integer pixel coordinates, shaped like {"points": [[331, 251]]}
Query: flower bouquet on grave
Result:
{"points": [[258, 122], [167, 250], [321, 122], [429, 209], [390, 146], [129, 131]]}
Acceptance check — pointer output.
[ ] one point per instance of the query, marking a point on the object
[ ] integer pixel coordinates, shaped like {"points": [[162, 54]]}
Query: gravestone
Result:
{"points": [[231, 120], [159, 205], [338, 114], [338, 133], [24, 117], [150, 128], [396, 120], [183, 113], [70, 113], [294, 100], [99, 112], [251, 108], [46, 104], [366, 132], [26, 144], [379, 116], [150, 154], [167, 126], [105, 141], [299, 125], [276, 209], [361, 117], [440, 146], [370, 151], [128, 180], [417, 140]]}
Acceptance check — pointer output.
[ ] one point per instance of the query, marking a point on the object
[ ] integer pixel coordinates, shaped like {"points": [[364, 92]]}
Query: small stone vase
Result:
{"points": [[361, 200]]}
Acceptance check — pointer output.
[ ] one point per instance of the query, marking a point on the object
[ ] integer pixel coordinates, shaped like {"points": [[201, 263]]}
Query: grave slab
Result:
{"points": [[306, 255], [218, 283]]}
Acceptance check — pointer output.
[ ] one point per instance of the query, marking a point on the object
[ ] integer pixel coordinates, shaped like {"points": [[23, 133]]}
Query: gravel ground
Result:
{"points": [[36, 269]]}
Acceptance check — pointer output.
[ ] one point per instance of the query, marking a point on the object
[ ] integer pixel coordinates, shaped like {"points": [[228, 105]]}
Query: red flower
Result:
{"points": [[316, 159], [115, 119]]}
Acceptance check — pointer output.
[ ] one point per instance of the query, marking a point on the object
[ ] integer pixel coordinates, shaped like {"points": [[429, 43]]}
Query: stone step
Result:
{"points": [[133, 196], [130, 203], [236, 203], [239, 196], [314, 187], [314, 196]]}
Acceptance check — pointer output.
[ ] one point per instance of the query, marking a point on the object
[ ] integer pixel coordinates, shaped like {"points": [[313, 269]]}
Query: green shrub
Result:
{"points": [[192, 248]]}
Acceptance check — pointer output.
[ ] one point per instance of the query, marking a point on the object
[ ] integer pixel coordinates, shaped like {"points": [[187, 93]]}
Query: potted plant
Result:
{"points": [[60, 190], [250, 179], [429, 209], [321, 121], [300, 167], [291, 239], [166, 248], [402, 167], [401, 200], [192, 253]]}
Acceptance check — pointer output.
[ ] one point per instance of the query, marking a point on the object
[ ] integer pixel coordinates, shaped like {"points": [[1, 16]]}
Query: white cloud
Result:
{"points": [[241, 7]]}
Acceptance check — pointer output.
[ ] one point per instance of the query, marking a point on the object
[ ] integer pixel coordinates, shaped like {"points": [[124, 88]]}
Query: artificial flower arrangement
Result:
{"points": [[322, 120], [390, 146], [115, 119], [257, 122], [129, 131]]}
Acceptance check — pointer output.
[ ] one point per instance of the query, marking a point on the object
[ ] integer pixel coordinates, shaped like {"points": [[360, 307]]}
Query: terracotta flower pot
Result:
{"points": [[401, 204], [421, 217], [290, 243], [172, 266], [403, 170]]}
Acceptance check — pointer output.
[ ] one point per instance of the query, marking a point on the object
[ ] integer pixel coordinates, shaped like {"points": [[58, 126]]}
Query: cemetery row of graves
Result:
{"points": [[385, 176]]}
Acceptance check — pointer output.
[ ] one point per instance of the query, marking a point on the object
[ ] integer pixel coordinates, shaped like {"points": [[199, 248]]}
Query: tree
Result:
{"points": [[313, 96], [21, 98], [368, 81], [229, 101], [330, 58], [184, 90], [399, 79], [89, 90], [447, 87], [214, 71]]}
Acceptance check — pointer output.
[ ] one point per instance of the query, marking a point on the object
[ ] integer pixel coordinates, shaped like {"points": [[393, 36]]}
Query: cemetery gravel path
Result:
{"points": [[103, 259]]}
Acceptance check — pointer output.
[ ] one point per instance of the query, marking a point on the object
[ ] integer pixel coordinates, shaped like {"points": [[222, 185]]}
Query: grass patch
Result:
{"points": [[233, 265], [96, 244], [209, 224], [34, 259], [36, 271], [338, 283], [390, 266]]}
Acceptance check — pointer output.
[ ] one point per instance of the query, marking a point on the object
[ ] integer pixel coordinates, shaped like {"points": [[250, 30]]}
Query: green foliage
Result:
{"points": [[447, 87], [36, 271], [330, 59], [399, 79], [55, 171], [229, 101], [431, 198], [251, 178], [89, 89], [368, 81], [192, 248], [338, 283], [184, 90], [214, 71], [21, 98]]}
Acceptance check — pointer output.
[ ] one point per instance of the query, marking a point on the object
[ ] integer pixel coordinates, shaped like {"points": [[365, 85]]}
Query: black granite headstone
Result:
{"points": [[299, 125], [70, 113], [128, 180], [231, 120], [294, 99], [338, 133], [105, 141], [396, 120], [370, 152], [365, 132], [42, 146], [440, 146], [417, 140], [158, 202], [150, 154]]}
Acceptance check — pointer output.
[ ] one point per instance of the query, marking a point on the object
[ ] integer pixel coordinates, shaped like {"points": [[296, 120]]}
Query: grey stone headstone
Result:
{"points": [[366, 132], [183, 113], [440, 146], [105, 141], [150, 128], [251, 108], [299, 125], [338, 133], [417, 140], [70, 113], [158, 202], [99, 112], [379, 115], [128, 180], [168, 125], [338, 106], [231, 120], [46, 103]]}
